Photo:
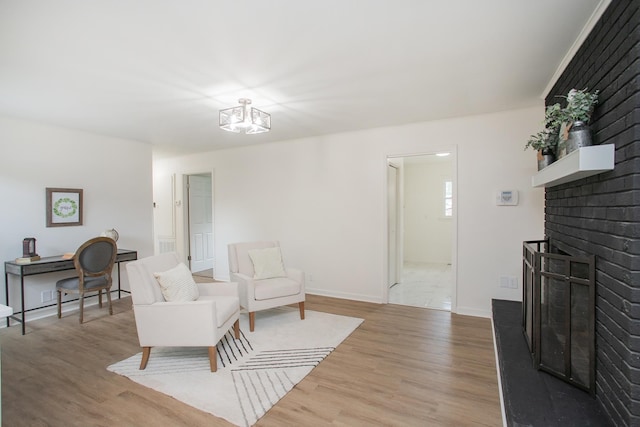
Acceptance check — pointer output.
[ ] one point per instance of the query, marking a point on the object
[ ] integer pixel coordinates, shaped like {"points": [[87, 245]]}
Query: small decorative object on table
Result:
{"points": [[28, 251], [112, 234], [29, 247]]}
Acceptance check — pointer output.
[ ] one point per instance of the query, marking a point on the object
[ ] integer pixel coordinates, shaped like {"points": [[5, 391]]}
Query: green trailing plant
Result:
{"points": [[547, 138], [553, 117], [542, 141], [580, 105]]}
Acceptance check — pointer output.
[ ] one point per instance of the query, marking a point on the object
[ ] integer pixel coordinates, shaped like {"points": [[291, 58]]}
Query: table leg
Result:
{"points": [[6, 294], [22, 302], [118, 280]]}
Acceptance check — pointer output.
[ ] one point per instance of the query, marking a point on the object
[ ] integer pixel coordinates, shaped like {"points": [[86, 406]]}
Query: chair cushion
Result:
{"points": [[177, 284], [73, 283], [225, 307], [267, 263], [275, 288], [239, 260], [144, 286]]}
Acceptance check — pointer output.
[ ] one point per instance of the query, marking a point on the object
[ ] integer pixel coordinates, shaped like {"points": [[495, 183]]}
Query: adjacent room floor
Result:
{"points": [[204, 273], [424, 285]]}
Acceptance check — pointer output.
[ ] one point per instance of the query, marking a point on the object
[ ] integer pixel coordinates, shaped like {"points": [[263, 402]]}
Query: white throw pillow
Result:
{"points": [[267, 263], [177, 284]]}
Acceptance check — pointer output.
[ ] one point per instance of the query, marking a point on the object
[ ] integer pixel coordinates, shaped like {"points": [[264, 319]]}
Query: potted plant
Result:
{"points": [[575, 117], [546, 141]]}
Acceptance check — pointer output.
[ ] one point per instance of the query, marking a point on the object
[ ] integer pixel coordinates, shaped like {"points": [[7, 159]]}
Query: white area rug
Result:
{"points": [[254, 372]]}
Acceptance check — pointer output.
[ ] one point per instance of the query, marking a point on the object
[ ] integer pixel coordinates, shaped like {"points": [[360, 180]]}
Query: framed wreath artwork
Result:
{"points": [[64, 207]]}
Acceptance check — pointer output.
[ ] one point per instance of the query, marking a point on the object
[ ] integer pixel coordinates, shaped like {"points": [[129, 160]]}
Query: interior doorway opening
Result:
{"points": [[421, 230], [199, 214]]}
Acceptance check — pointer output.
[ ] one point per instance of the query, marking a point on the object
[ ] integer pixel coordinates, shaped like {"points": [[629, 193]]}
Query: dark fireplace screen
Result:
{"points": [[559, 313]]}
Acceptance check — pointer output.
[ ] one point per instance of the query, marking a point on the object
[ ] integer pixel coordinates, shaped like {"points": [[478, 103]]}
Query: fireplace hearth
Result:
{"points": [[532, 397]]}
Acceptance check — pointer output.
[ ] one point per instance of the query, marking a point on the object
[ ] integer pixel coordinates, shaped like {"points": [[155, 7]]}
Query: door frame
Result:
{"points": [[453, 149], [398, 225]]}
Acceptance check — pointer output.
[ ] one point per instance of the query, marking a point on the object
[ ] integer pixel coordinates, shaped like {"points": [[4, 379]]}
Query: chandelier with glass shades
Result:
{"points": [[245, 119]]}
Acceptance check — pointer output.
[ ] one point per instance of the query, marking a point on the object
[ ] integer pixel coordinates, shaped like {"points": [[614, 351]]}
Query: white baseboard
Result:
{"points": [[475, 312], [465, 311], [344, 295], [41, 313]]}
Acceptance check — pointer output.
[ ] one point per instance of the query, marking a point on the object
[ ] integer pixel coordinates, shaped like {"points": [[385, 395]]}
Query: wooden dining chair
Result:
{"points": [[94, 264]]}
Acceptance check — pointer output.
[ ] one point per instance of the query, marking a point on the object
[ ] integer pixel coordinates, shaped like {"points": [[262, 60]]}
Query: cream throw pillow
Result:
{"points": [[177, 284], [267, 263]]}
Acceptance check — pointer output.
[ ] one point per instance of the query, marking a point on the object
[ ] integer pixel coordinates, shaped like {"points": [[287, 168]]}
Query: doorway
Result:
{"points": [[200, 223], [425, 224]]}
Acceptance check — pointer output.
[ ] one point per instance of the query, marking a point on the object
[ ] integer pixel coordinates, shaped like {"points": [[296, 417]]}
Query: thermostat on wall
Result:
{"points": [[507, 198]]}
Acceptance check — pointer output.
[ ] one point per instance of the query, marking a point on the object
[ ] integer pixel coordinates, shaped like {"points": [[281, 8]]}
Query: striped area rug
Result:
{"points": [[254, 372]]}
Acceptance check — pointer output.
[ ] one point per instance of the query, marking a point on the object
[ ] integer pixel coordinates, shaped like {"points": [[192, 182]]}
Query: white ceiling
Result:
{"points": [[158, 71]]}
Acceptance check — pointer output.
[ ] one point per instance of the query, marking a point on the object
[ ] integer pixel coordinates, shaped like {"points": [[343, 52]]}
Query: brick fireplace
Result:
{"points": [[600, 215]]}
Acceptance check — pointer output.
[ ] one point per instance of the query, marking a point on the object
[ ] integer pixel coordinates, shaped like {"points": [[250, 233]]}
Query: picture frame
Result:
{"points": [[64, 207]]}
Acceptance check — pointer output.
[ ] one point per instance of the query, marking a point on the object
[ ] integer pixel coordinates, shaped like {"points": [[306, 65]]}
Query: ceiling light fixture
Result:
{"points": [[442, 154], [245, 119]]}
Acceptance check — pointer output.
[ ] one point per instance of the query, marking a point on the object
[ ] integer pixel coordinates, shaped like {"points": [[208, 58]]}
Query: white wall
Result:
{"points": [[116, 179], [427, 232], [324, 198]]}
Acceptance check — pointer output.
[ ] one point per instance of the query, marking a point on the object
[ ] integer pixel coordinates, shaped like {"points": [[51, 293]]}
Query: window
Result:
{"points": [[448, 199]]}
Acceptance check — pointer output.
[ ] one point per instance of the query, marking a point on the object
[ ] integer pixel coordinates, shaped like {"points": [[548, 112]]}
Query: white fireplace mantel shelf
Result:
{"points": [[578, 164]]}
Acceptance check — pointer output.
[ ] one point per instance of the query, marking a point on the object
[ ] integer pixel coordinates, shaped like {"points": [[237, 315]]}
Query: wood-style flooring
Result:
{"points": [[403, 366]]}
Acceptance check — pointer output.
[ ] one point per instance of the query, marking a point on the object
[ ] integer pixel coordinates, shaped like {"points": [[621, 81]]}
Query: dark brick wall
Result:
{"points": [[600, 215]]}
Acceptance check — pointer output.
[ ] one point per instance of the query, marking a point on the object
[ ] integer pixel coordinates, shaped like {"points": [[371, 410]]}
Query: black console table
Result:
{"points": [[49, 265]]}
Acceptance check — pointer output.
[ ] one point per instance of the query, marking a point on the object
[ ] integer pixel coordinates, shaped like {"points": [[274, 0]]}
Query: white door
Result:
{"points": [[392, 206], [200, 222]]}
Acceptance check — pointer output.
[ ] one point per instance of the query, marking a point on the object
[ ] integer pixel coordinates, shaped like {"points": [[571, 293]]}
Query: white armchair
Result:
{"points": [[199, 323], [260, 294]]}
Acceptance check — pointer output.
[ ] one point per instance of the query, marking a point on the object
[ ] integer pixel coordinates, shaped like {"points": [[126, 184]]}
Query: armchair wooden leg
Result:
{"points": [[59, 303], [252, 320], [146, 351], [100, 298], [236, 329], [301, 307], [213, 358]]}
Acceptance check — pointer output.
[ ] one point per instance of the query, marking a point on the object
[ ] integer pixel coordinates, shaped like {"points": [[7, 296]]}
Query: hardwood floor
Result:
{"points": [[403, 366]]}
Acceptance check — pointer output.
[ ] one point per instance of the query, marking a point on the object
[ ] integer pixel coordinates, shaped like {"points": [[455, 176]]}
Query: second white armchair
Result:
{"points": [[263, 281]]}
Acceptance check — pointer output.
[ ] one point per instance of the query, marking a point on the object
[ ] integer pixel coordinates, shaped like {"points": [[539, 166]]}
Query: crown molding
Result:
{"points": [[586, 30]]}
